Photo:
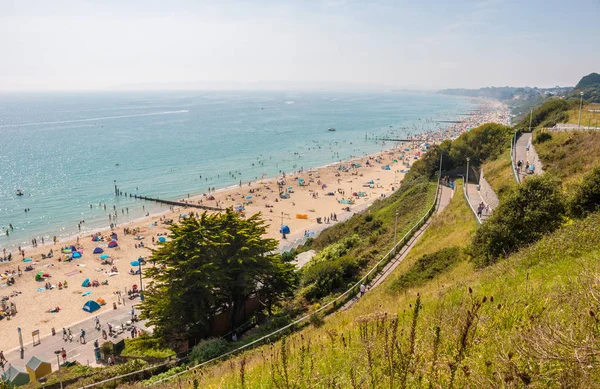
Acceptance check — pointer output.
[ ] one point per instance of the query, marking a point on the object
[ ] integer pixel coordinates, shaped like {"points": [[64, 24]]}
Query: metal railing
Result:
{"points": [[352, 291]]}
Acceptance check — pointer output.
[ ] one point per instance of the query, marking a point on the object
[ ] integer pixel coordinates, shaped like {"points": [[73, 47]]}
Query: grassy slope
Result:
{"points": [[587, 118], [498, 173], [542, 287], [569, 155]]}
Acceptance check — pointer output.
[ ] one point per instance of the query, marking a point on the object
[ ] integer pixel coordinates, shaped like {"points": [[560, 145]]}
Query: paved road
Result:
{"points": [[525, 151], [475, 198], [82, 353], [445, 197]]}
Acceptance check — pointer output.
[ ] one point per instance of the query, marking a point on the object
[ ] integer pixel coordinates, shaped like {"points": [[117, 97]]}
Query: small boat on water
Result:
{"points": [[19, 192], [331, 129]]}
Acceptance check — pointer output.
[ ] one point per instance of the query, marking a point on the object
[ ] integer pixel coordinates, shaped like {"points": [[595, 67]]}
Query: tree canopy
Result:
{"points": [[209, 264]]}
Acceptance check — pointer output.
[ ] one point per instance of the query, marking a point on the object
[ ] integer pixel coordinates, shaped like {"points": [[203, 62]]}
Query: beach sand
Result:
{"points": [[309, 198]]}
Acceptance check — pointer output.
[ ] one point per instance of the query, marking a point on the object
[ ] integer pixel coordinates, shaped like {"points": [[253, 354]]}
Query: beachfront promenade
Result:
{"points": [[82, 353]]}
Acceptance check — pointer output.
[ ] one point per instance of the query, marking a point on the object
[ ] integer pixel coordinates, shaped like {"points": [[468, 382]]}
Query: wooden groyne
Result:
{"points": [[169, 202]]}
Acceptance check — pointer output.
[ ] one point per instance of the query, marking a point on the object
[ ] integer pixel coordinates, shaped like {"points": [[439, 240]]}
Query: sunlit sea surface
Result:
{"points": [[65, 151]]}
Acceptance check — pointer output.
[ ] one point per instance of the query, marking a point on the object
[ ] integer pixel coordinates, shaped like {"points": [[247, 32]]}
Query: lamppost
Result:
{"points": [[141, 287], [530, 118], [580, 106], [396, 229], [57, 352], [467, 180]]}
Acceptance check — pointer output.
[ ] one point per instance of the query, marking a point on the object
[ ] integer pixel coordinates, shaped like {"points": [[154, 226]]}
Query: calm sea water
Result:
{"points": [[66, 150]]}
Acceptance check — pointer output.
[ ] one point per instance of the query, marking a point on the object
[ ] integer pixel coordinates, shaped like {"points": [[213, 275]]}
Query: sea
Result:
{"points": [[67, 151]]}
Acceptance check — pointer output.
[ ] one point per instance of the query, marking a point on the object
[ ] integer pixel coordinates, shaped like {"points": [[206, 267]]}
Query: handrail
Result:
{"points": [[388, 256], [469, 202]]}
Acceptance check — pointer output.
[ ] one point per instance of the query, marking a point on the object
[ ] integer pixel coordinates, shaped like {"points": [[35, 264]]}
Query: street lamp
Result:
{"points": [[396, 229], [467, 180], [57, 352], [141, 287], [580, 105]]}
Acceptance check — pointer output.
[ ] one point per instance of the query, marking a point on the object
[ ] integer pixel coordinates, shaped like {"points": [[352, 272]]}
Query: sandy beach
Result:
{"points": [[330, 192]]}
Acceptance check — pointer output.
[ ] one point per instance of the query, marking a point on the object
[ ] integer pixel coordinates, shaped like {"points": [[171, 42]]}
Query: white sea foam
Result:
{"points": [[96, 119]]}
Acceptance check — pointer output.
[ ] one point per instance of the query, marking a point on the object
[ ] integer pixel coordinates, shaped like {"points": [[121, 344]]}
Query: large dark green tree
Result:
{"points": [[209, 264]]}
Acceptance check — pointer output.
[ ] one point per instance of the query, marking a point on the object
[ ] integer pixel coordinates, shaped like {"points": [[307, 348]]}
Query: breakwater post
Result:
{"points": [[174, 203]]}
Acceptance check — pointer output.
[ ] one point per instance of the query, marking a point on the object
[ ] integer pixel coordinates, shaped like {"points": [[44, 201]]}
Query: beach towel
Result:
{"points": [[72, 273], [87, 293]]}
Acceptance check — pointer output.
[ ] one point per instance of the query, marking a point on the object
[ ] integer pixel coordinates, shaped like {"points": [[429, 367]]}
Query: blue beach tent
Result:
{"points": [[162, 239], [91, 306], [86, 283], [76, 254], [98, 250], [104, 256]]}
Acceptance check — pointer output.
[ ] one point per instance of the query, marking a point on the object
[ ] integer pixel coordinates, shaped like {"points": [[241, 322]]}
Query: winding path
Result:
{"points": [[444, 200], [525, 151]]}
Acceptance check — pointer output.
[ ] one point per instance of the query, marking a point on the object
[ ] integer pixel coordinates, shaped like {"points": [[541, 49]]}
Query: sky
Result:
{"points": [[426, 44]]}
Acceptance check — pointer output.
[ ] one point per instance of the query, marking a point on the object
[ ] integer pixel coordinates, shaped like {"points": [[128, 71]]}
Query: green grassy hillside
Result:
{"points": [[530, 320]]}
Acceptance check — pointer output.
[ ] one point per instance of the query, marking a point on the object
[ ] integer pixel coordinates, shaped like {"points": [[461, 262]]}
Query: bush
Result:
{"points": [[208, 349], [322, 278], [586, 198], [146, 346], [524, 215], [543, 137]]}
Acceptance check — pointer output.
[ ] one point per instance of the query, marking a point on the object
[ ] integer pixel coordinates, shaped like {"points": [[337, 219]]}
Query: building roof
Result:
{"points": [[34, 363]]}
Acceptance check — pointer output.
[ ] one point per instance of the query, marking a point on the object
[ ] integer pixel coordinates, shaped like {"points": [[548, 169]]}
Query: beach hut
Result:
{"points": [[86, 283], [37, 368], [162, 239], [91, 306], [16, 376], [98, 250], [112, 244], [76, 255]]}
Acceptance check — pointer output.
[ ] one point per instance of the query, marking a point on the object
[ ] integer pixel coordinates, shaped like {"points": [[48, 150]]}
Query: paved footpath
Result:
{"points": [[82, 353], [445, 197], [525, 151], [475, 198]]}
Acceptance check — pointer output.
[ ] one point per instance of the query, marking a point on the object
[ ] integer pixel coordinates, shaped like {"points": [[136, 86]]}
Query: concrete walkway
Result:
{"points": [[525, 151], [475, 198], [444, 200], [82, 353]]}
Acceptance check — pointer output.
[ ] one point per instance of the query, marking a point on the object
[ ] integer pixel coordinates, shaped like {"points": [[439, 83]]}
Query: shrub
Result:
{"points": [[208, 349], [543, 137], [323, 277], [146, 346], [524, 215], [586, 198]]}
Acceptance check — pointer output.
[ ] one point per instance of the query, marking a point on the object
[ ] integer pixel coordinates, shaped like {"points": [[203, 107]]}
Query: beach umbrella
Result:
{"points": [[76, 255], [134, 263], [162, 239], [112, 244], [27, 260], [98, 250], [104, 256]]}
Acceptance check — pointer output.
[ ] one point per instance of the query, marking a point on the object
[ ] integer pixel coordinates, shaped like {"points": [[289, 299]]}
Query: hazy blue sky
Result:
{"points": [[405, 44]]}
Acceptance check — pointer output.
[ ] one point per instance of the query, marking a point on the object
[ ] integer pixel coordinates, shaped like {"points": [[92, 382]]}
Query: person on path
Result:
{"points": [[63, 353], [82, 336], [65, 337], [97, 323], [363, 289], [70, 335], [2, 359]]}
